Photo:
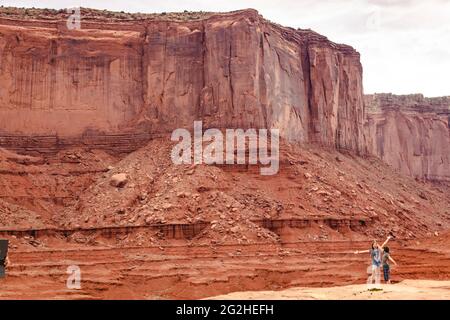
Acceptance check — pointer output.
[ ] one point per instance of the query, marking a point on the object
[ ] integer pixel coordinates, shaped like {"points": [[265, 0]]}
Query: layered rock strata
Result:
{"points": [[411, 133], [151, 74]]}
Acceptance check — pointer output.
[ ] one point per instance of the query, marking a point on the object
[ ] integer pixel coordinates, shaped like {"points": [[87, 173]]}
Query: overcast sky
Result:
{"points": [[404, 44]]}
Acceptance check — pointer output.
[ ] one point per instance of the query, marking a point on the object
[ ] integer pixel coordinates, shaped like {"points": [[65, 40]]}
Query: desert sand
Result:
{"points": [[405, 290]]}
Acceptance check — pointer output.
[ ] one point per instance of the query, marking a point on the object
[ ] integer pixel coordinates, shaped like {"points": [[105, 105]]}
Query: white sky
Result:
{"points": [[404, 44]]}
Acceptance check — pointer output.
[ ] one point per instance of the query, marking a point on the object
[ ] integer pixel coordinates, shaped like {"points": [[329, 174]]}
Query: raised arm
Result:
{"points": [[385, 242]]}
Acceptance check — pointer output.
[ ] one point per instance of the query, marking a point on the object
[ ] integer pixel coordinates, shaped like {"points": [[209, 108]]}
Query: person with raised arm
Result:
{"points": [[375, 252]]}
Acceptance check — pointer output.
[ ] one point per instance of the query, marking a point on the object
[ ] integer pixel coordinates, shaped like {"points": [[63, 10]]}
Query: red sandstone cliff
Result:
{"points": [[147, 74], [411, 133], [125, 77]]}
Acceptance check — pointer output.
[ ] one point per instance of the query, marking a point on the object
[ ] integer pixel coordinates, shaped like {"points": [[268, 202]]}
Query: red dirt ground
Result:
{"points": [[189, 232]]}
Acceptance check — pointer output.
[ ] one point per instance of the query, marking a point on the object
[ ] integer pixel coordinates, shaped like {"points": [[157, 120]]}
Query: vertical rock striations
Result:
{"points": [[411, 133], [123, 78], [152, 75]]}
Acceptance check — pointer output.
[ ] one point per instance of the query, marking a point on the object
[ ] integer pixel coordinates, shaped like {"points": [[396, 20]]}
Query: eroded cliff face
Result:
{"points": [[124, 78], [136, 78], [411, 133]]}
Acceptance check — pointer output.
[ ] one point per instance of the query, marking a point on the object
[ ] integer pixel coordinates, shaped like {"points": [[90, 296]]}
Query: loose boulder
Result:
{"points": [[119, 180]]}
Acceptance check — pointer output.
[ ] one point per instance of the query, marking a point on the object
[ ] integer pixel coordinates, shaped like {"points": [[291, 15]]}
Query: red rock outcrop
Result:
{"points": [[124, 78], [197, 230], [411, 133], [149, 74]]}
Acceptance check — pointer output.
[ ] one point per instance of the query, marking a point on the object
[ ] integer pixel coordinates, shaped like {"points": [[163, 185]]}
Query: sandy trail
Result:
{"points": [[405, 290]]}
